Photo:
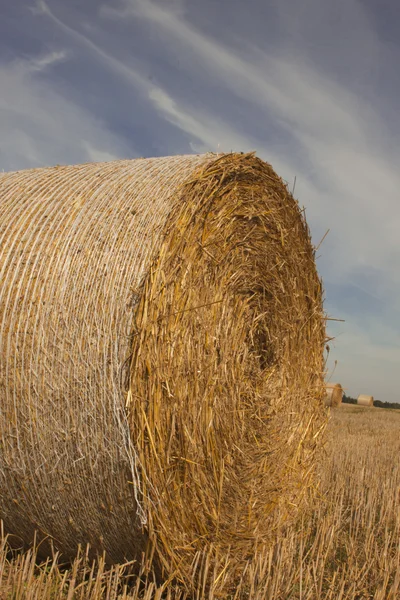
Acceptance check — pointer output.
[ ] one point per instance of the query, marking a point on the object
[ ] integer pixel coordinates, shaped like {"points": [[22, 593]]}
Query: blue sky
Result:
{"points": [[311, 85]]}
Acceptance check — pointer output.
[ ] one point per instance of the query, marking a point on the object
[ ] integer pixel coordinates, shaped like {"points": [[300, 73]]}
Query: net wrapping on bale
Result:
{"points": [[161, 356]]}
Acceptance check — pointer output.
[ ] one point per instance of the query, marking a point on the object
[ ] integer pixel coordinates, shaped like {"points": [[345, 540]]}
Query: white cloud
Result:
{"points": [[98, 155], [366, 366], [117, 66], [39, 126], [212, 132], [177, 8], [328, 134], [39, 8], [44, 61], [335, 131], [339, 148]]}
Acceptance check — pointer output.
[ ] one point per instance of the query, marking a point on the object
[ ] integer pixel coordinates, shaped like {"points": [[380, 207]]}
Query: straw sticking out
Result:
{"points": [[161, 344]]}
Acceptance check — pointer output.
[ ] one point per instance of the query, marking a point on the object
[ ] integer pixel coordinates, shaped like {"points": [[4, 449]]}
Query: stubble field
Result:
{"points": [[346, 547]]}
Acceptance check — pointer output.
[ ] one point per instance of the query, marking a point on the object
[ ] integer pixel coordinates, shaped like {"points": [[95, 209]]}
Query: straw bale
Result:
{"points": [[161, 357], [333, 395], [364, 400]]}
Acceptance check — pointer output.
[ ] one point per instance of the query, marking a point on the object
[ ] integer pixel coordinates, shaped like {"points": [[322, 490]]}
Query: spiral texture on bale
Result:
{"points": [[161, 356], [365, 400], [333, 395]]}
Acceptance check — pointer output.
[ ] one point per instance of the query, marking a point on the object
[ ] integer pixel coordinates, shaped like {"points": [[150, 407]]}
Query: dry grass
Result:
{"points": [[346, 548]]}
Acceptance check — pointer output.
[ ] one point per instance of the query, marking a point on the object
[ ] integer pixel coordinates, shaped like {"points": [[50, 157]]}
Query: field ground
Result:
{"points": [[347, 547]]}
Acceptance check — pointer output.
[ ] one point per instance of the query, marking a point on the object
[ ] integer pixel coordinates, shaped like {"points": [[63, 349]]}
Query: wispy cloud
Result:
{"points": [[211, 131], [295, 81], [43, 62], [327, 123], [40, 127], [113, 63], [175, 8], [339, 146]]}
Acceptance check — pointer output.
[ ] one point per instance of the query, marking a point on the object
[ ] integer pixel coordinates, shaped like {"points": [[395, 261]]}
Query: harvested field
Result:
{"points": [[161, 361], [345, 548]]}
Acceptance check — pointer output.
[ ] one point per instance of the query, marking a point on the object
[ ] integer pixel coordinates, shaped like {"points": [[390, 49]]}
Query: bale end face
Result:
{"points": [[228, 345]]}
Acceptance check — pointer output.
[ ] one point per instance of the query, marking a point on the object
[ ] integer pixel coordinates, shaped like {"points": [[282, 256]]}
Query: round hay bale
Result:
{"points": [[333, 395], [161, 357], [364, 400]]}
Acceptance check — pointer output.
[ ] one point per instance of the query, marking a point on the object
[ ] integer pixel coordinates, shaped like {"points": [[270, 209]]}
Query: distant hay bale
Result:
{"points": [[161, 357], [333, 395], [364, 400]]}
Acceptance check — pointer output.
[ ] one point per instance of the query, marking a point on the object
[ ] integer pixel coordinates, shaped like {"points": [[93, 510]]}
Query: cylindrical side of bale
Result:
{"points": [[364, 400], [161, 356], [333, 395]]}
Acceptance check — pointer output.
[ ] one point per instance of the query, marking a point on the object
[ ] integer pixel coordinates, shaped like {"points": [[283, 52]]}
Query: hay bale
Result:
{"points": [[364, 400], [161, 356], [333, 395]]}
